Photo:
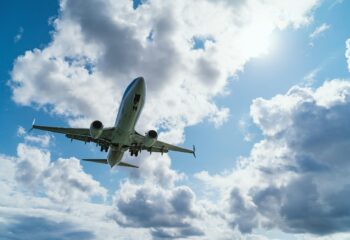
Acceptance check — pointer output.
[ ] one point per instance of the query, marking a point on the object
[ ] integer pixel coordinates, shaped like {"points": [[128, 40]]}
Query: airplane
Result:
{"points": [[122, 137]]}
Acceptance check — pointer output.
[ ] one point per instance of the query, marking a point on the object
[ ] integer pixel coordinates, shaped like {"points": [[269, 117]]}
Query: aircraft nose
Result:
{"points": [[140, 83]]}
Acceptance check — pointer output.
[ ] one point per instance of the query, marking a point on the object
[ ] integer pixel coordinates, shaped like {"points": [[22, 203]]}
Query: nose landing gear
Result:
{"points": [[134, 153]]}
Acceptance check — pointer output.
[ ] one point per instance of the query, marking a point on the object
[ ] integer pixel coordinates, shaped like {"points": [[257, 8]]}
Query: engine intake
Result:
{"points": [[96, 129], [150, 138]]}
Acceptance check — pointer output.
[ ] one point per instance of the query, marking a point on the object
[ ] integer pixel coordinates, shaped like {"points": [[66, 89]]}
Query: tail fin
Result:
{"points": [[104, 161]]}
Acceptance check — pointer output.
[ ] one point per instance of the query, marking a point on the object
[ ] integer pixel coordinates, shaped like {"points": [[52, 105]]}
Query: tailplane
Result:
{"points": [[104, 161], [124, 164]]}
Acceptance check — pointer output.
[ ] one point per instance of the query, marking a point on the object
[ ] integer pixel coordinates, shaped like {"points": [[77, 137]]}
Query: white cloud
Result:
{"points": [[19, 35], [310, 77], [243, 125], [347, 53], [63, 180], [294, 179], [319, 30], [41, 140], [39, 191], [94, 54], [52, 199]]}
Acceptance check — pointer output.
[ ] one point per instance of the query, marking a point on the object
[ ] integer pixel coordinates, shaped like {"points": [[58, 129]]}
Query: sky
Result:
{"points": [[261, 88]]}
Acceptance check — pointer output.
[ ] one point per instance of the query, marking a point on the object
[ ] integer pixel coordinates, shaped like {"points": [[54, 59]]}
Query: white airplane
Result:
{"points": [[122, 137]]}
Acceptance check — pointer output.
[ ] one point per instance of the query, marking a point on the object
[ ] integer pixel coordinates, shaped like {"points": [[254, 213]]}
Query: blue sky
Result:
{"points": [[261, 89]]}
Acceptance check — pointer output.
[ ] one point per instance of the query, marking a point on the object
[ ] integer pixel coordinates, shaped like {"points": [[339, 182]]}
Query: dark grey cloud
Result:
{"points": [[163, 233], [123, 54], [168, 212], [303, 209], [40, 228], [154, 209], [207, 71], [244, 216]]}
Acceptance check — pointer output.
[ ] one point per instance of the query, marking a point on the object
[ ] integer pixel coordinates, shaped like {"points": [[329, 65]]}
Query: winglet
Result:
{"points": [[32, 126], [194, 151]]}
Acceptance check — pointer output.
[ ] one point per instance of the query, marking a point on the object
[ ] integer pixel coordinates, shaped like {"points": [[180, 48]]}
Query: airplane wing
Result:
{"points": [[163, 147], [81, 134]]}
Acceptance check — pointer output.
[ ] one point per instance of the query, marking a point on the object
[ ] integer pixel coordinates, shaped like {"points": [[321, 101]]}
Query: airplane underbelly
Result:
{"points": [[125, 128], [114, 157]]}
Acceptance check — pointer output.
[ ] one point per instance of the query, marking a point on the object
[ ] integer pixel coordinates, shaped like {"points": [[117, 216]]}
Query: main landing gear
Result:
{"points": [[104, 148], [134, 153], [134, 150]]}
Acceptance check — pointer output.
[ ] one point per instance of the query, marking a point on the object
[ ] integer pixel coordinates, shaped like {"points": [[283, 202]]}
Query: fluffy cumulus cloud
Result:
{"points": [[151, 198], [99, 46], [169, 213], [295, 179], [43, 198], [37, 190], [63, 179]]}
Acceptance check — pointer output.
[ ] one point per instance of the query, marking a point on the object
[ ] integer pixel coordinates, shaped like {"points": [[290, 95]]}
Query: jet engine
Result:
{"points": [[150, 138], [96, 129]]}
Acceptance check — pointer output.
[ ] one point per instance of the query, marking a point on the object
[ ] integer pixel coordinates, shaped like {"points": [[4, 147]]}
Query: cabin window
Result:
{"points": [[137, 98]]}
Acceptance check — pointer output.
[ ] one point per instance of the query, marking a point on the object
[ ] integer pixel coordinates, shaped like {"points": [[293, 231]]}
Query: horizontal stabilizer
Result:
{"points": [[104, 161], [124, 164]]}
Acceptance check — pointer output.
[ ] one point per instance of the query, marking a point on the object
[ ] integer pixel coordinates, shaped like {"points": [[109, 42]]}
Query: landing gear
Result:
{"points": [[104, 148], [134, 151]]}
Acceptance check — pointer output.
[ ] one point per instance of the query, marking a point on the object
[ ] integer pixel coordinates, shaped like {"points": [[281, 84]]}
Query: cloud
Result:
{"points": [[19, 35], [152, 198], [168, 212], [97, 48], [27, 227], [41, 140], [319, 30], [310, 78], [347, 53], [156, 169], [95, 54], [295, 178], [43, 198], [62, 180]]}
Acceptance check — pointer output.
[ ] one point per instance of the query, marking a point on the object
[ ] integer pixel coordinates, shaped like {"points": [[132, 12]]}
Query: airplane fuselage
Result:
{"points": [[129, 111]]}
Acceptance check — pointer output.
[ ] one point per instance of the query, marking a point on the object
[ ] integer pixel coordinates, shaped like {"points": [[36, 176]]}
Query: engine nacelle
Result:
{"points": [[150, 138], [96, 129]]}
